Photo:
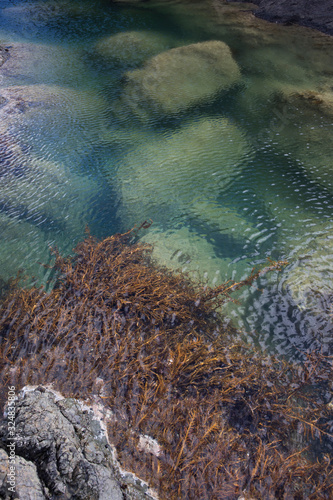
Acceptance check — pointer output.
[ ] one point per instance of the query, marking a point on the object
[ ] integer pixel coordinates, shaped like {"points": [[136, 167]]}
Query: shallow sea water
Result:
{"points": [[230, 178]]}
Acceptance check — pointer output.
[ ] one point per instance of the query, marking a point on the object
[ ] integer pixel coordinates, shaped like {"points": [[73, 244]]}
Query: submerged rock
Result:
{"points": [[313, 101], [310, 282], [40, 201], [22, 246], [182, 169], [45, 193], [184, 250], [64, 113], [185, 172], [62, 451], [27, 63], [39, 195], [131, 47], [181, 77], [304, 121]]}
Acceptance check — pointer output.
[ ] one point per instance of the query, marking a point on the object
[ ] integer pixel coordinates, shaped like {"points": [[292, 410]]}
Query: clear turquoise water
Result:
{"points": [[233, 179]]}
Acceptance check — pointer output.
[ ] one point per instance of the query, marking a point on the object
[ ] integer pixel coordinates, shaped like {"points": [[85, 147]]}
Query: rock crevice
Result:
{"points": [[62, 452]]}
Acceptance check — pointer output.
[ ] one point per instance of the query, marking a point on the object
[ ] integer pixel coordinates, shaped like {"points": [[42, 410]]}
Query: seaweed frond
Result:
{"points": [[229, 421]]}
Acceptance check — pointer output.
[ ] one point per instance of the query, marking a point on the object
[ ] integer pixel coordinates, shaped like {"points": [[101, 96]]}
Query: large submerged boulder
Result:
{"points": [[189, 166], [186, 172], [184, 250], [312, 100], [131, 47], [179, 78]]}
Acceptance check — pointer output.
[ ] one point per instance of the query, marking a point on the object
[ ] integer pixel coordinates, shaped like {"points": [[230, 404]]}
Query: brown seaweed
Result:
{"points": [[230, 421]]}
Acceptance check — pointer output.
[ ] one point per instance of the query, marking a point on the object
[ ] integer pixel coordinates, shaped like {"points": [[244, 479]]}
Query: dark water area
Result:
{"points": [[105, 122]]}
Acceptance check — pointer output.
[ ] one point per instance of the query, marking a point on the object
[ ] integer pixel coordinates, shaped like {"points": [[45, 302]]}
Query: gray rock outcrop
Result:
{"points": [[62, 452], [28, 485]]}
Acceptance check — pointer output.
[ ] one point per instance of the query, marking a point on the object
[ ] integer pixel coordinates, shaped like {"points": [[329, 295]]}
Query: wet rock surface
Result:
{"points": [[62, 452], [318, 15]]}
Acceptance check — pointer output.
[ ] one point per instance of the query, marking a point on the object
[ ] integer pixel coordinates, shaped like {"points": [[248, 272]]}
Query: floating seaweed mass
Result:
{"points": [[229, 421]]}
